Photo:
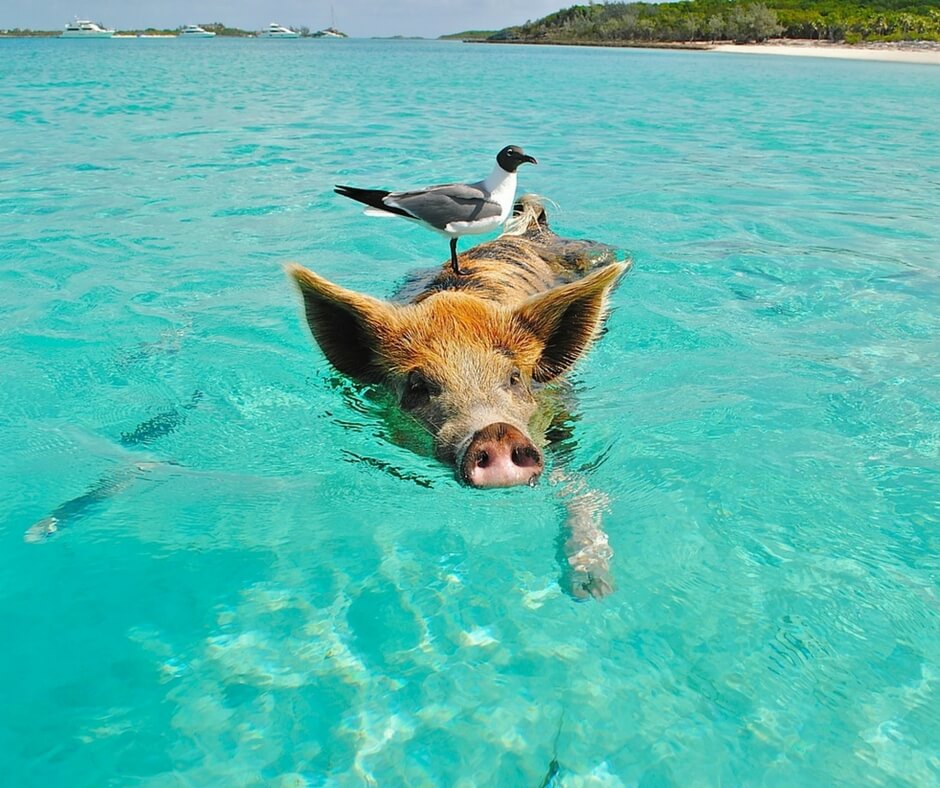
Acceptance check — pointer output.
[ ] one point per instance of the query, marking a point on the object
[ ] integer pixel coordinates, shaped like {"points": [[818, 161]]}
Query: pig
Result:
{"points": [[473, 358]]}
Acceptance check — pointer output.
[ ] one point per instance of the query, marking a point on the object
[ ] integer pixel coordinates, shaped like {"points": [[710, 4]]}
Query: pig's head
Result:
{"points": [[462, 366]]}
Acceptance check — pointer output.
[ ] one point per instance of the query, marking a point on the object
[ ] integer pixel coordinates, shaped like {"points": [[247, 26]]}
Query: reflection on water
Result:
{"points": [[160, 425], [88, 503]]}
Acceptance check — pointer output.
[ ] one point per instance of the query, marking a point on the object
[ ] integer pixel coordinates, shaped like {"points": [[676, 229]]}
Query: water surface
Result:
{"points": [[250, 582]]}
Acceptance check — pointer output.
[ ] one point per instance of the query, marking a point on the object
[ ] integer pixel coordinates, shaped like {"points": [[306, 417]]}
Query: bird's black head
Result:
{"points": [[510, 157]]}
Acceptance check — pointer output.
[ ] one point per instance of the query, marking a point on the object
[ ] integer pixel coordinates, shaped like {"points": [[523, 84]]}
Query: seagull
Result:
{"points": [[454, 209]]}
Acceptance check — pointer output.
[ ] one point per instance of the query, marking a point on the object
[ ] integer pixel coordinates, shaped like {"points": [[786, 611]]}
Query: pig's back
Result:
{"points": [[510, 269]]}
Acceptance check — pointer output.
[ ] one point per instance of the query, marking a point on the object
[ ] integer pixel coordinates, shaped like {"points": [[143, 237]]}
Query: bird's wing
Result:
{"points": [[441, 205]]}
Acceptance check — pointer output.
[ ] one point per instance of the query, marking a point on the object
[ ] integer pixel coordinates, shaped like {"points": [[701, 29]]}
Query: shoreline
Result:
{"points": [[698, 46], [917, 52], [924, 53]]}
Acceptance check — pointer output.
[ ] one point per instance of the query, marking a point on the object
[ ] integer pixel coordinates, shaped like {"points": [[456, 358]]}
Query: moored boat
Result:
{"points": [[82, 28], [329, 32], [194, 31], [275, 30]]}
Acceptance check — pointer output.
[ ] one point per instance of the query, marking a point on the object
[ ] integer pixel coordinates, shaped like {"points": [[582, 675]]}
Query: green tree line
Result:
{"points": [[735, 20]]}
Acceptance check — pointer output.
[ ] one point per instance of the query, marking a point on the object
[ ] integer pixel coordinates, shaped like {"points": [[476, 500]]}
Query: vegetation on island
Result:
{"points": [[743, 21], [17, 32], [469, 35]]}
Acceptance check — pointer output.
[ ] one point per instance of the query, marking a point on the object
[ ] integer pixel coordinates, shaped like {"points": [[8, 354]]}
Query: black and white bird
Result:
{"points": [[454, 209]]}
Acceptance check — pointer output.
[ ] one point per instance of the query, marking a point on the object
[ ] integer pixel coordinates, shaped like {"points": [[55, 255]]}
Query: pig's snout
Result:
{"points": [[500, 456]]}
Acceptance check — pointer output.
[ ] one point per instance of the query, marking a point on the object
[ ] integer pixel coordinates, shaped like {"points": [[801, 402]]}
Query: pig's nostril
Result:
{"points": [[483, 459], [525, 456]]}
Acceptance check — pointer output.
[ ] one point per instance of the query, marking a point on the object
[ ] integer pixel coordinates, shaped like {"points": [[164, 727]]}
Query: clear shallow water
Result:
{"points": [[252, 583]]}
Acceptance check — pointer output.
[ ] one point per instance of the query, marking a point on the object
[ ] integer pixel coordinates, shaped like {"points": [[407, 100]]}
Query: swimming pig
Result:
{"points": [[469, 357]]}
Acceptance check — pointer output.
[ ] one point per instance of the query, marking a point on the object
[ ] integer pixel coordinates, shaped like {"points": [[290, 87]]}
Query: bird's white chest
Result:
{"points": [[501, 187], [503, 192]]}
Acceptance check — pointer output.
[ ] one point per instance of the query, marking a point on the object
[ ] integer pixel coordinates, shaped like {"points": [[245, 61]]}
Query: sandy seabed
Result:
{"points": [[927, 53]]}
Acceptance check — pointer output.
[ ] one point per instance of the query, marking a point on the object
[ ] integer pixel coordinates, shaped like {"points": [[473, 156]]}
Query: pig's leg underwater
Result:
{"points": [[584, 549]]}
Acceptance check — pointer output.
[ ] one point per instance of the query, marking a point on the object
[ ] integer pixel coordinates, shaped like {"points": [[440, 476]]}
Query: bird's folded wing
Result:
{"points": [[441, 205]]}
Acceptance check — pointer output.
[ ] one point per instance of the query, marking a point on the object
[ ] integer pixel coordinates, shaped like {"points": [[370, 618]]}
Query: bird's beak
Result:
{"points": [[530, 159]]}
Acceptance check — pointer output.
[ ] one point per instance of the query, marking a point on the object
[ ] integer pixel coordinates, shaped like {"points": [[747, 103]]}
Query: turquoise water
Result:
{"points": [[251, 583]]}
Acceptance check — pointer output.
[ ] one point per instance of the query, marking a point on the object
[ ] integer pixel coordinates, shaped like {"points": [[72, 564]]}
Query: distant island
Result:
{"points": [[469, 35], [741, 21]]}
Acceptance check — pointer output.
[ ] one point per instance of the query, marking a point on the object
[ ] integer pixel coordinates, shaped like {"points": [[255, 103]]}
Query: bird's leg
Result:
{"points": [[453, 257]]}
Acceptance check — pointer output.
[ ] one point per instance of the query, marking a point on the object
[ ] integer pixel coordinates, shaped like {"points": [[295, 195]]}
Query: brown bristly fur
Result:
{"points": [[466, 334], [528, 258]]}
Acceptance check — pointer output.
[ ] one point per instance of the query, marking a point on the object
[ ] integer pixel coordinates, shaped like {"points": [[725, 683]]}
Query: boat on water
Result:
{"points": [[329, 32], [82, 28], [275, 30], [194, 31]]}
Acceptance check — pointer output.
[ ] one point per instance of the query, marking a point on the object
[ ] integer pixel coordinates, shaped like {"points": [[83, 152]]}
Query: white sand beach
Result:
{"points": [[913, 52]]}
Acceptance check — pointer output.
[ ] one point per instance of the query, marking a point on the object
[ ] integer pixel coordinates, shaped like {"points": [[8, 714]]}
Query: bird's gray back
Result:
{"points": [[441, 205]]}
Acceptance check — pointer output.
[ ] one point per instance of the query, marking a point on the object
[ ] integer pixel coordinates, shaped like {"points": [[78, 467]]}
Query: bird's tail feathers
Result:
{"points": [[372, 198]]}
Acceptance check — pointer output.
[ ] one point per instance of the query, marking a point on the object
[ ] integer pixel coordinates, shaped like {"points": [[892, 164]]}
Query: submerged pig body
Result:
{"points": [[467, 356]]}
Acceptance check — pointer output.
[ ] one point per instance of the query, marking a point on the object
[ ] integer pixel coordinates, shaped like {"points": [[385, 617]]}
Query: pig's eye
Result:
{"points": [[417, 391], [515, 379]]}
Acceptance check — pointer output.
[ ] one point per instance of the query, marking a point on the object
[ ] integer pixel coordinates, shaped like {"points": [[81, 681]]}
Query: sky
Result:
{"points": [[360, 18]]}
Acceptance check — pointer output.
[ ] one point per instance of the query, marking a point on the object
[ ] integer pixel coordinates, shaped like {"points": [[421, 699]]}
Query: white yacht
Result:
{"points": [[82, 28], [275, 30], [194, 31]]}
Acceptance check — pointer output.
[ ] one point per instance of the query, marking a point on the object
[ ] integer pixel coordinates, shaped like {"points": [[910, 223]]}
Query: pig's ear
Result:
{"points": [[567, 318], [346, 325]]}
